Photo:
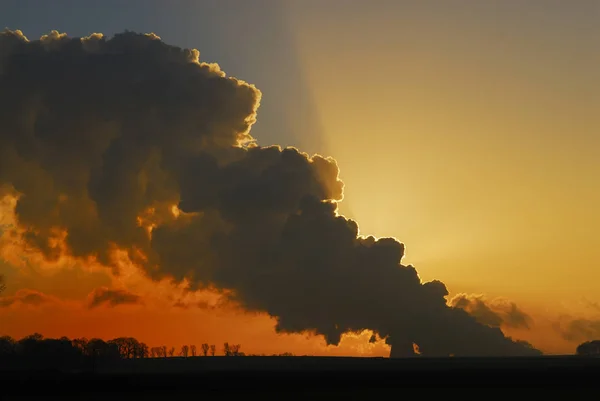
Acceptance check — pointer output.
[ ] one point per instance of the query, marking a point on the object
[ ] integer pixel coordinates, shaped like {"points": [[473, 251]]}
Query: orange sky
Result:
{"points": [[167, 315], [164, 315]]}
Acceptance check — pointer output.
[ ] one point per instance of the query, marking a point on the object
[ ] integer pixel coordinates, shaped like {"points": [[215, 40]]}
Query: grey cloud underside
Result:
{"points": [[580, 330], [96, 132], [25, 297], [106, 296]]}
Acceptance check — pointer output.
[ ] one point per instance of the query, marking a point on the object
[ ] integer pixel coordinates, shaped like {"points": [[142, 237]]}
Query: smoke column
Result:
{"points": [[132, 144]]}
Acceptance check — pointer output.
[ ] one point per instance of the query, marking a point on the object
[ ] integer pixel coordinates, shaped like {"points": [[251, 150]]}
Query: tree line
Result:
{"points": [[35, 350], [191, 350], [40, 352]]}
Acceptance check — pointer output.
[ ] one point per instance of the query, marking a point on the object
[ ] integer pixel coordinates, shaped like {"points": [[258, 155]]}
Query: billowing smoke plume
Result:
{"points": [[102, 137], [494, 313]]}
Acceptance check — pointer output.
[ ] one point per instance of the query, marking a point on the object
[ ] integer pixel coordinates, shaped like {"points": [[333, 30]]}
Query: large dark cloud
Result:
{"points": [[102, 136]]}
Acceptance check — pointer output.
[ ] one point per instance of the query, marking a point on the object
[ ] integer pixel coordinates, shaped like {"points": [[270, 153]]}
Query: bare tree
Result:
{"points": [[205, 348], [184, 351], [213, 350], [193, 350], [163, 351], [2, 285], [172, 351], [226, 349], [157, 352], [234, 350]]}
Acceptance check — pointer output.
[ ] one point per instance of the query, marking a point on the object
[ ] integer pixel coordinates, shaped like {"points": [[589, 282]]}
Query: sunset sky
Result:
{"points": [[467, 130]]}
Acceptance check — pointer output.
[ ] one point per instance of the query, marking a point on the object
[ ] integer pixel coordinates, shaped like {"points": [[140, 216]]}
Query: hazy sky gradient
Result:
{"points": [[469, 130]]}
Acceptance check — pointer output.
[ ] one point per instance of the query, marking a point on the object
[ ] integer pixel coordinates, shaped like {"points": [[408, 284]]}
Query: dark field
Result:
{"points": [[324, 378]]}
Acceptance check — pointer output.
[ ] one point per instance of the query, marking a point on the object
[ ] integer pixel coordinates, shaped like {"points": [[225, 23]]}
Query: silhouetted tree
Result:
{"points": [[130, 348], [2, 284], [101, 349], [36, 351], [193, 350], [58, 350], [589, 348], [122, 346], [213, 350], [234, 350], [158, 352], [8, 346], [81, 344], [97, 347], [184, 351], [30, 345], [172, 351], [142, 351], [205, 348]]}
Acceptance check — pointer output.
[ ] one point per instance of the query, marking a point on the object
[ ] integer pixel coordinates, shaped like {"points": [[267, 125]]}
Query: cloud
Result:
{"points": [[579, 329], [201, 304], [592, 305], [112, 298], [494, 313], [27, 297], [211, 299], [130, 144]]}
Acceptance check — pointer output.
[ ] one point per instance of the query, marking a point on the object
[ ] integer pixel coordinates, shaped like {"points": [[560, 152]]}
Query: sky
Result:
{"points": [[467, 130]]}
